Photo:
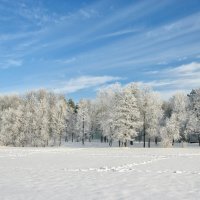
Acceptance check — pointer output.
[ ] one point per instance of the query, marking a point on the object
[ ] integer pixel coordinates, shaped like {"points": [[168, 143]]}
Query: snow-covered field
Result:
{"points": [[99, 173]]}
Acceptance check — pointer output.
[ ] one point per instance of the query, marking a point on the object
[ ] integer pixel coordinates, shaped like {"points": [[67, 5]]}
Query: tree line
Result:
{"points": [[118, 113]]}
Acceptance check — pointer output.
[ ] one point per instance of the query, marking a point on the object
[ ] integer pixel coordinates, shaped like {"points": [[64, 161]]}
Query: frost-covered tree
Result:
{"points": [[153, 116], [13, 127], [12, 121], [176, 123], [92, 111], [59, 118], [106, 104], [194, 113], [150, 105], [180, 110], [71, 120], [71, 124], [42, 121], [31, 105], [170, 131], [194, 98], [127, 116], [8, 131], [83, 121]]}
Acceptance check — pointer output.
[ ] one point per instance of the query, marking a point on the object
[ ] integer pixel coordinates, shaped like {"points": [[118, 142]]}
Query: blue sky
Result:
{"points": [[76, 47]]}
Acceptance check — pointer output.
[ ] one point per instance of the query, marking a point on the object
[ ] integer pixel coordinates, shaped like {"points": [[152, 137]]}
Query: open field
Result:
{"points": [[99, 173]]}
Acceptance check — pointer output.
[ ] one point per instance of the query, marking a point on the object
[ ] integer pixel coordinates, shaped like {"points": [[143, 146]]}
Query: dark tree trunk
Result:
{"points": [[149, 143], [119, 143], [125, 143], [60, 141], [144, 139], [199, 139], [156, 140], [131, 142], [102, 139], [144, 129], [173, 142], [83, 141], [83, 138], [110, 142], [54, 141], [72, 137]]}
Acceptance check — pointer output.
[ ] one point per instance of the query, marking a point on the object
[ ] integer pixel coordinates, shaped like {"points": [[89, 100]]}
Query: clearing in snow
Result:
{"points": [[99, 173]]}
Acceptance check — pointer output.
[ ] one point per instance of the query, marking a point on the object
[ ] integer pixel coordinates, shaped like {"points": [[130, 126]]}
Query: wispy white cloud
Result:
{"points": [[130, 12], [118, 33], [185, 70], [10, 63], [84, 82], [88, 13], [149, 47], [181, 78], [17, 36], [66, 61]]}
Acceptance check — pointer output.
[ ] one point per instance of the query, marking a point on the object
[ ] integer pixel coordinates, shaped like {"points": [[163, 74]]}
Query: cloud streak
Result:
{"points": [[10, 63], [181, 78], [84, 82]]}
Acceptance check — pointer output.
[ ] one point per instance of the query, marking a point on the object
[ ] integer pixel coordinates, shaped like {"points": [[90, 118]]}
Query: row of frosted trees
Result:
{"points": [[34, 119], [123, 114], [137, 113]]}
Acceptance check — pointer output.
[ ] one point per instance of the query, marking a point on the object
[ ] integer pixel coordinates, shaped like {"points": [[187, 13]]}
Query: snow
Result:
{"points": [[99, 173]]}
